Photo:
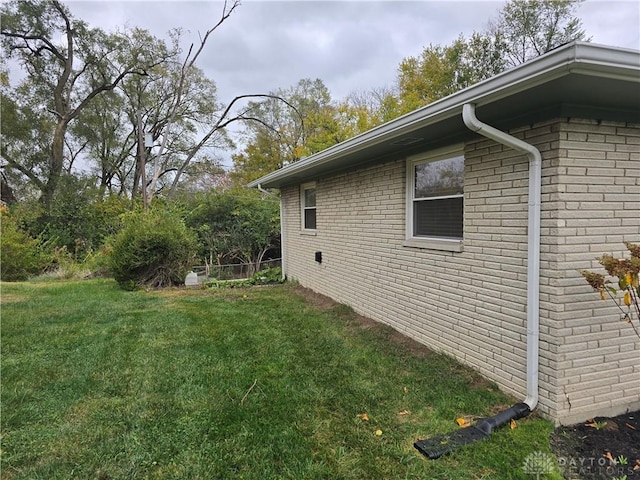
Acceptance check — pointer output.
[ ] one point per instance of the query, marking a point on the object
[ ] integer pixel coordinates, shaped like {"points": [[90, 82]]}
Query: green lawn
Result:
{"points": [[259, 383]]}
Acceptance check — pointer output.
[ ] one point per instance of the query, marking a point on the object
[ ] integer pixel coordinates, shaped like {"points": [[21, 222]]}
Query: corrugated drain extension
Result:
{"points": [[436, 447]]}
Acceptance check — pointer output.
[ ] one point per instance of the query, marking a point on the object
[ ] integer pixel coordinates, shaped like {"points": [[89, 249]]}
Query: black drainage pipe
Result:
{"points": [[436, 447]]}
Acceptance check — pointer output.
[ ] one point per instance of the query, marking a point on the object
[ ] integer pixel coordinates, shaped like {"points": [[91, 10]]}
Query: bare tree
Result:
{"points": [[187, 68]]}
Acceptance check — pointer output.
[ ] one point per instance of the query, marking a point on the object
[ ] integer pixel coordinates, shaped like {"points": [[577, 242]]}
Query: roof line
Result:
{"points": [[582, 57]]}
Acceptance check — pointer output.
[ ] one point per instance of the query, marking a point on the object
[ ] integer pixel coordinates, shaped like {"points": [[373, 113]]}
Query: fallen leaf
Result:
{"points": [[462, 422], [513, 424], [364, 417], [405, 390], [609, 457], [404, 412]]}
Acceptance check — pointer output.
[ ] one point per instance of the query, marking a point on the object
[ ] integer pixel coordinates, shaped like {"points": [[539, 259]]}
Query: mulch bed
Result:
{"points": [[602, 448]]}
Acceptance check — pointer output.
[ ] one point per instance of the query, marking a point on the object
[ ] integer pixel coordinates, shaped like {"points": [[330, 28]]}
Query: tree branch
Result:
{"points": [[47, 44], [67, 62], [222, 123], [186, 67], [25, 171]]}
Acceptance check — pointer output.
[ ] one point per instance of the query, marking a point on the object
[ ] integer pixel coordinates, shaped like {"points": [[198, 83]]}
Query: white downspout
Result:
{"points": [[283, 256], [533, 254], [283, 265]]}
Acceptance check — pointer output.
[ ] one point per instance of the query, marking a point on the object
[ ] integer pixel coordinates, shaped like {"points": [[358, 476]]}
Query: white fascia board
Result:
{"points": [[575, 57]]}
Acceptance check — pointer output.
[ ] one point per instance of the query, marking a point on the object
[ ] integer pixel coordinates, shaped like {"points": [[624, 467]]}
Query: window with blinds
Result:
{"points": [[308, 202], [436, 202]]}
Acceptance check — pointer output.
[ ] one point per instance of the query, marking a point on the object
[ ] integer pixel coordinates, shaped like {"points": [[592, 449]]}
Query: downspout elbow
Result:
{"points": [[472, 123], [470, 119], [266, 192]]}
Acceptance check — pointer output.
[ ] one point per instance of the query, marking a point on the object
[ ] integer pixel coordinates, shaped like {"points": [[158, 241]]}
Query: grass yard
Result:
{"points": [[259, 383]]}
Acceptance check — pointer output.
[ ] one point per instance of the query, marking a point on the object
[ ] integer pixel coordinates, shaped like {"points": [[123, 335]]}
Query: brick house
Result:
{"points": [[463, 225]]}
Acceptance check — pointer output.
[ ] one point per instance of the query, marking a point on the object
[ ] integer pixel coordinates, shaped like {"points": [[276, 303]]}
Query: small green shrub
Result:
{"points": [[268, 276], [79, 219], [97, 263], [20, 255], [65, 266], [154, 249]]}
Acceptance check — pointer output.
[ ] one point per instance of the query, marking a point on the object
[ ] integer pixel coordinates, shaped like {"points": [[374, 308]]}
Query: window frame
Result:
{"points": [[430, 242], [303, 208]]}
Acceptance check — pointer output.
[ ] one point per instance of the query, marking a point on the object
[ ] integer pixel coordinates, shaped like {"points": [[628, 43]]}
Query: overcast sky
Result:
{"points": [[351, 46]]}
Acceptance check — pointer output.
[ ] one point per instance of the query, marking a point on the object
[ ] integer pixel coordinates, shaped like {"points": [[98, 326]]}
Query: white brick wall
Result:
{"points": [[595, 197], [472, 304]]}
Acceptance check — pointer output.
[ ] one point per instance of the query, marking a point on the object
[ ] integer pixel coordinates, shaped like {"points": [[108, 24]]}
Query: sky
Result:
{"points": [[352, 46]]}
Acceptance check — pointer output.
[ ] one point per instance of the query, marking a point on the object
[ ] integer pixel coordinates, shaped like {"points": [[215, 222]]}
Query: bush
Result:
{"points": [[154, 249], [235, 229], [624, 280], [64, 266], [79, 219], [20, 255]]}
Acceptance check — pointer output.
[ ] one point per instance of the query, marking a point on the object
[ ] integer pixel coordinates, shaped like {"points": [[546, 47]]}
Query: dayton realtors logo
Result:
{"points": [[540, 463]]}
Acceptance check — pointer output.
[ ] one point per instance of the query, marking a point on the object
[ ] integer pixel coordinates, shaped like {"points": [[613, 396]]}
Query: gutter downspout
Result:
{"points": [[533, 254], [283, 265]]}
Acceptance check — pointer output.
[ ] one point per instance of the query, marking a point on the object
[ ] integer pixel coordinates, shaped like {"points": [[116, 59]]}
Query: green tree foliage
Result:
{"points": [[91, 94], [284, 132], [235, 228], [109, 126], [68, 64], [523, 30], [363, 110], [443, 70], [26, 140], [79, 219], [105, 130], [153, 249], [180, 110], [21, 256], [438, 72], [530, 28]]}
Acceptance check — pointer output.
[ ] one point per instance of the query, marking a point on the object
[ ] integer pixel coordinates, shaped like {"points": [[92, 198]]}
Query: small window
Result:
{"points": [[308, 201], [435, 197]]}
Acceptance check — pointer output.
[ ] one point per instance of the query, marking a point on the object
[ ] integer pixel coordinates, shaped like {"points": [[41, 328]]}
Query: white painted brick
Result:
{"points": [[472, 304]]}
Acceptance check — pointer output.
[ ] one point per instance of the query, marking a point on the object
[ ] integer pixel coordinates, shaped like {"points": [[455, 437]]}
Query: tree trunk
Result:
{"points": [[56, 163], [6, 192]]}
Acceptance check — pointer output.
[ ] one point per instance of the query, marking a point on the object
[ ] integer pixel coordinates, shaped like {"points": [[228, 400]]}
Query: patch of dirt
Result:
{"points": [[360, 322], [313, 298], [11, 298], [602, 448]]}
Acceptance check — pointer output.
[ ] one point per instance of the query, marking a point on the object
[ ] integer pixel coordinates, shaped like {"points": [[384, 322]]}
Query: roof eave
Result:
{"points": [[576, 57]]}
